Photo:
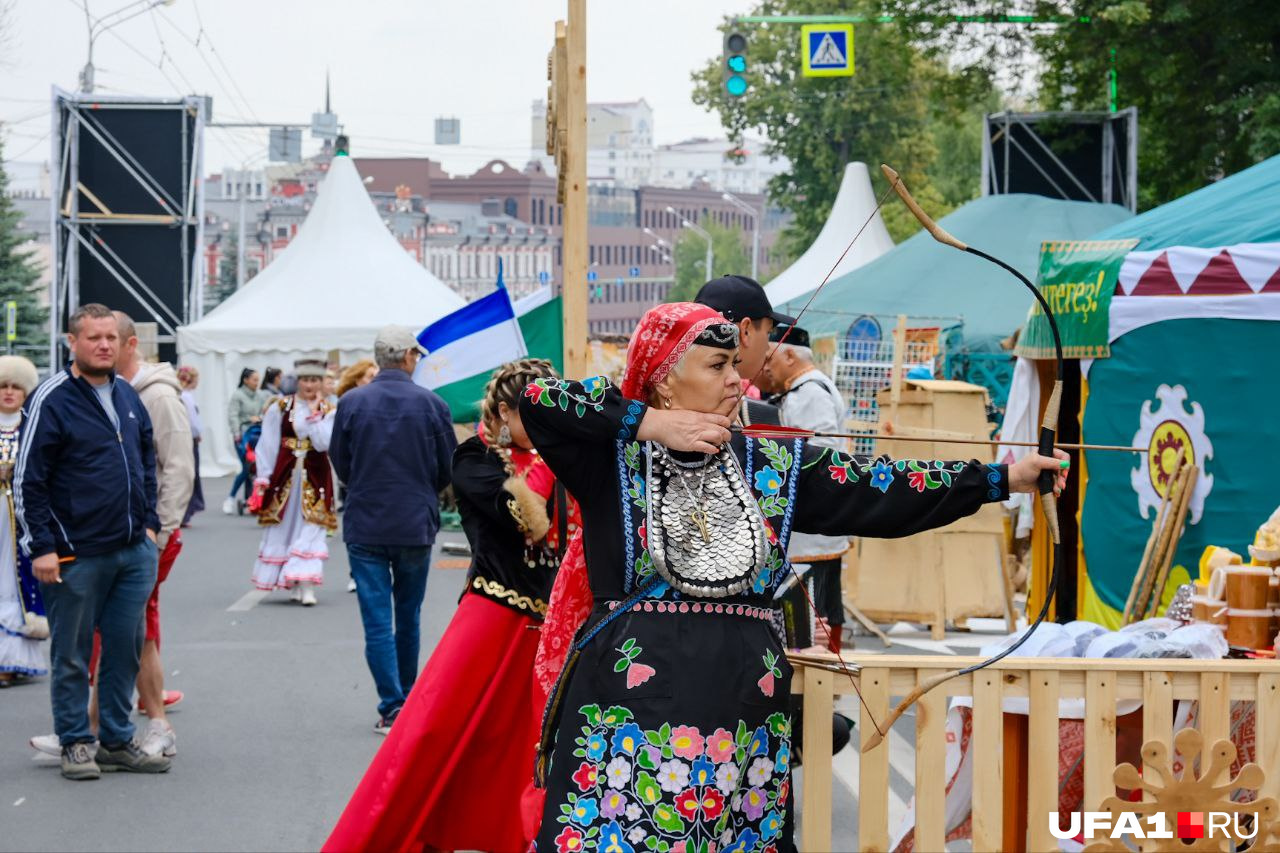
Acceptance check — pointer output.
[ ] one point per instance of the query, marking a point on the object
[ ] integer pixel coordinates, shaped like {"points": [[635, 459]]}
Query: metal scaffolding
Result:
{"points": [[128, 211]]}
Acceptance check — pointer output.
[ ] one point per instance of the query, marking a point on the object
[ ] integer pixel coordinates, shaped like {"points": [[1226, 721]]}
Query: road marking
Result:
{"points": [[19, 801], [249, 600]]}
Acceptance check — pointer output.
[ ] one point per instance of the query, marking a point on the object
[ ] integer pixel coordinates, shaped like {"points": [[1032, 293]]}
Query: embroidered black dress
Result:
{"points": [[505, 566], [675, 723]]}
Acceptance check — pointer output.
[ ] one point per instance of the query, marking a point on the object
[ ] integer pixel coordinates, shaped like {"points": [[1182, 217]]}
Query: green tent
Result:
{"points": [[922, 278], [1194, 329], [1238, 209]]}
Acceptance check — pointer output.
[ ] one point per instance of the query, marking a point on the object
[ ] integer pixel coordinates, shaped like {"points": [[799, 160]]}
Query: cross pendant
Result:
{"points": [[700, 520]]}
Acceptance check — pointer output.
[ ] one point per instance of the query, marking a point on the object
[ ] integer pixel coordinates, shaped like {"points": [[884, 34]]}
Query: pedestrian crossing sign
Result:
{"points": [[826, 50]]}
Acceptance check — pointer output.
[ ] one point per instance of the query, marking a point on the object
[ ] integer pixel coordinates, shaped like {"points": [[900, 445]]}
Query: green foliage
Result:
{"points": [[732, 255], [225, 285], [1204, 75], [19, 271], [899, 108]]}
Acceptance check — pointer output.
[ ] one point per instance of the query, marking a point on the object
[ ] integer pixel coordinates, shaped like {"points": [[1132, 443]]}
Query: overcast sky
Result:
{"points": [[395, 65]]}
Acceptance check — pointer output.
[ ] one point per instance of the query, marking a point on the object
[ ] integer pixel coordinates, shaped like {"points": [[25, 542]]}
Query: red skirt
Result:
{"points": [[460, 755]]}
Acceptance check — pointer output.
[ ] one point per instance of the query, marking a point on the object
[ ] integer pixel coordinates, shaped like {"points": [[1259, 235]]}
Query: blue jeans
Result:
{"points": [[390, 581], [244, 479], [108, 592]]}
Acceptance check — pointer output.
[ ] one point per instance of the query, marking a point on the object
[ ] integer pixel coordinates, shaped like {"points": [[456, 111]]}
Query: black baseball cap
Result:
{"points": [[793, 335], [740, 298]]}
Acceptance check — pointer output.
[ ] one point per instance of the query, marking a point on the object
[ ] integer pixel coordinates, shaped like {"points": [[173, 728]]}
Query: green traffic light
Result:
{"points": [[736, 86], [737, 64]]}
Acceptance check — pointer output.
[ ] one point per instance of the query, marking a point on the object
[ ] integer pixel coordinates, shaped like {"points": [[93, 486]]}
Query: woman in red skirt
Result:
{"points": [[452, 771]]}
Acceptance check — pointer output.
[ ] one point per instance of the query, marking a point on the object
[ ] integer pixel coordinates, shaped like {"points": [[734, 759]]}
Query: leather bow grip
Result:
{"points": [[939, 233], [875, 738], [1048, 430]]}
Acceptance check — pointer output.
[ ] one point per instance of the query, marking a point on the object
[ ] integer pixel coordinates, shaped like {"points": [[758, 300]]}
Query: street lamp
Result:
{"points": [[100, 26], [755, 230], [696, 230]]}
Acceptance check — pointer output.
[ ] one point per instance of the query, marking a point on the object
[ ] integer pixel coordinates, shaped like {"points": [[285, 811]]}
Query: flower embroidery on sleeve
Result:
{"points": [[881, 475], [559, 393]]}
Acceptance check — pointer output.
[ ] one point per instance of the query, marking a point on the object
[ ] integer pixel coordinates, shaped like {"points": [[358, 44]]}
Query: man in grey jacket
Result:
{"points": [[161, 393]]}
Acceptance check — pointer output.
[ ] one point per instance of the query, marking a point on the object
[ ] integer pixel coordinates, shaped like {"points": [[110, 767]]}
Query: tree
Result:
{"points": [[19, 271], [226, 283], [1204, 75], [896, 109], [730, 256]]}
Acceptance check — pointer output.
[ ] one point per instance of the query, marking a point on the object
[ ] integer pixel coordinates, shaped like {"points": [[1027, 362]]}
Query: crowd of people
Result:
{"points": [[629, 553]]}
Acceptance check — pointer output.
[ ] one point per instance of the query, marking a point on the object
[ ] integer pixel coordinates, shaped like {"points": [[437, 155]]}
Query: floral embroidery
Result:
{"points": [[881, 475], [559, 393], [842, 468], [768, 482], [673, 788], [631, 420], [637, 673], [771, 664]]}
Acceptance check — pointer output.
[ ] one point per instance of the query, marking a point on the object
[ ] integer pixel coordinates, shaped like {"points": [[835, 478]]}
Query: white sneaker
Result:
{"points": [[308, 596], [296, 593], [229, 506], [47, 744], [160, 739], [351, 585]]}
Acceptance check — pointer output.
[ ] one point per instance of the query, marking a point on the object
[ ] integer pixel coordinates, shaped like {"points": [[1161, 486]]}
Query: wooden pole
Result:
{"points": [[574, 230]]}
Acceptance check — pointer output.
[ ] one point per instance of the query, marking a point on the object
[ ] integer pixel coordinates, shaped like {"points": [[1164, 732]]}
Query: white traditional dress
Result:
{"points": [[297, 506], [22, 618]]}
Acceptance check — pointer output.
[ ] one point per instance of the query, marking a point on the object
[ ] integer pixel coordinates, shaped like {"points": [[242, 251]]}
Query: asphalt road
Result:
{"points": [[277, 725], [275, 730]]}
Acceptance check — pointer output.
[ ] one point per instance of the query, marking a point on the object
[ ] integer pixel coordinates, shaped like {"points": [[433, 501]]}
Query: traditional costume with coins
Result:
{"points": [[670, 720]]}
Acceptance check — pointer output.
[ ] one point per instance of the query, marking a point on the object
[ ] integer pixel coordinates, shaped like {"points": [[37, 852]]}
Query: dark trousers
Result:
{"points": [[827, 594], [390, 583], [108, 592]]}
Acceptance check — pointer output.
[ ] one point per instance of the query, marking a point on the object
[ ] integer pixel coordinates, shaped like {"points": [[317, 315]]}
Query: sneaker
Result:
{"points": [[296, 593], [383, 726], [229, 506], [129, 757], [160, 739], [47, 745], [308, 597], [172, 699], [351, 585], [78, 763]]}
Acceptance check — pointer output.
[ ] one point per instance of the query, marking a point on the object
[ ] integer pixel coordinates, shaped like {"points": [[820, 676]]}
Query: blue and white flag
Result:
{"points": [[464, 348]]}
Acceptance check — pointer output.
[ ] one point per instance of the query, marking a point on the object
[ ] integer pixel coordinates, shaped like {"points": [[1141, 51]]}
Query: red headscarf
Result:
{"points": [[661, 339]]}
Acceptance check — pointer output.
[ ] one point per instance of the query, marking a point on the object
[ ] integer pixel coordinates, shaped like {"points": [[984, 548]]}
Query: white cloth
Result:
{"points": [[18, 653], [193, 414], [294, 550], [1020, 424], [814, 403]]}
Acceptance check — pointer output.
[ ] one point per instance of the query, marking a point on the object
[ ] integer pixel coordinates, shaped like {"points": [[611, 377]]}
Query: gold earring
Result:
{"points": [[666, 402]]}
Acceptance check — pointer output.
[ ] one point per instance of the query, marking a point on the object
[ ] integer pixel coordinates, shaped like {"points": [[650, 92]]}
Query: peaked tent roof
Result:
{"points": [[1241, 208], [341, 279], [854, 203], [924, 278]]}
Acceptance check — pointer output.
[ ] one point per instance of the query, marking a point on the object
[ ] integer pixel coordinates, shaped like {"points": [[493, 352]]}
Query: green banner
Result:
{"points": [[1077, 278], [543, 330]]}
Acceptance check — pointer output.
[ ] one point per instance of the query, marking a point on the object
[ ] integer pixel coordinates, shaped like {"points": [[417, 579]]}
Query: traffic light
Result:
{"points": [[735, 64]]}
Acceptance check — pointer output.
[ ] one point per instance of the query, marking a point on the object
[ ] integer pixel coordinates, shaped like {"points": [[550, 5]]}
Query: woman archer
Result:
{"points": [[670, 722]]}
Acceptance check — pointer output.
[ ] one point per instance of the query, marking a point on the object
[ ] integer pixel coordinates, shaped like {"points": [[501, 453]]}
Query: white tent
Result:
{"points": [[341, 279], [854, 203]]}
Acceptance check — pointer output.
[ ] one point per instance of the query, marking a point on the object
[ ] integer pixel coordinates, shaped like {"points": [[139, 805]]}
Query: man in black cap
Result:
{"points": [[743, 302]]}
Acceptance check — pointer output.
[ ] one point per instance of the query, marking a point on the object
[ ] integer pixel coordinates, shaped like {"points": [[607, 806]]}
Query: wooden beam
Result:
{"points": [[574, 230]]}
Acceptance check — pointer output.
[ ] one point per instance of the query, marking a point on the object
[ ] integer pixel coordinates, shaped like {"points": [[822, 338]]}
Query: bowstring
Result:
{"points": [[844, 665]]}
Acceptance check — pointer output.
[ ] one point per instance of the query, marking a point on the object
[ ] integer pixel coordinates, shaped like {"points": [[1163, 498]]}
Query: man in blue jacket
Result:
{"points": [[393, 446], [84, 492]]}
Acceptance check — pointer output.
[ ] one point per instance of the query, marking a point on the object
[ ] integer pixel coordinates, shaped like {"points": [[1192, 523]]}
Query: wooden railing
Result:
{"points": [[883, 679]]}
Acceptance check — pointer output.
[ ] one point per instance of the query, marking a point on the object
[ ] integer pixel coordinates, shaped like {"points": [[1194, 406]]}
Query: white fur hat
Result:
{"points": [[19, 371]]}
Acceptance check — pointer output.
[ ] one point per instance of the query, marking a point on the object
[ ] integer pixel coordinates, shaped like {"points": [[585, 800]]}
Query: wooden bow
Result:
{"points": [[1048, 432]]}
